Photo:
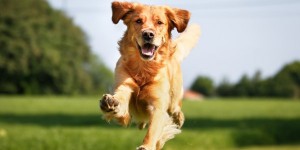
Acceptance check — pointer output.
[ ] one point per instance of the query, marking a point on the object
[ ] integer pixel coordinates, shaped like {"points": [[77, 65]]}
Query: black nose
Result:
{"points": [[148, 35]]}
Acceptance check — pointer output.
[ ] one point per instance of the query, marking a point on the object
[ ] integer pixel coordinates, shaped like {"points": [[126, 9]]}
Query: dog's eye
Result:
{"points": [[159, 22], [139, 21]]}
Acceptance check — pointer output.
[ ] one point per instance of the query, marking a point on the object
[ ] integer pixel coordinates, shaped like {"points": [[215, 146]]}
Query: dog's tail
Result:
{"points": [[186, 41], [169, 131]]}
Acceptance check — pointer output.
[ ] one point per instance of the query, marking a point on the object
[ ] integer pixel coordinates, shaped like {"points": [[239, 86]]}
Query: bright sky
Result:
{"points": [[238, 36]]}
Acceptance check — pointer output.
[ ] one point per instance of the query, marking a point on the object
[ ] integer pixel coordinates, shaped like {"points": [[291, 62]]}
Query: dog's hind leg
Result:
{"points": [[158, 122]]}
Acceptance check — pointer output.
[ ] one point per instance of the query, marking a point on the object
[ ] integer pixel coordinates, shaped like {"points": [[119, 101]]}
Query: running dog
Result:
{"points": [[148, 79]]}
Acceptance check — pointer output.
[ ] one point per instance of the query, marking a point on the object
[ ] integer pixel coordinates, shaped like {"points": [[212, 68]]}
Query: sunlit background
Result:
{"points": [[238, 36], [242, 80]]}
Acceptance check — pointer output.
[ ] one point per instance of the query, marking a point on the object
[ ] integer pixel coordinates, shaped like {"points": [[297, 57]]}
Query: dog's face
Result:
{"points": [[149, 27]]}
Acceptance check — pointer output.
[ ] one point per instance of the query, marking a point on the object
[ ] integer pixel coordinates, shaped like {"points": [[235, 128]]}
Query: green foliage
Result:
{"points": [[285, 83], [224, 89], [48, 124], [43, 52], [203, 85], [288, 80], [242, 88]]}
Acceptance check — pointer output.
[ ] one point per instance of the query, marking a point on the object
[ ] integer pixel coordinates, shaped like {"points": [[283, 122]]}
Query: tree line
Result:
{"points": [[42, 51], [285, 83]]}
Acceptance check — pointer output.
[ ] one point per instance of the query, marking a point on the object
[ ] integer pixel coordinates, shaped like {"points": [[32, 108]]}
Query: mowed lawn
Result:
{"points": [[74, 123]]}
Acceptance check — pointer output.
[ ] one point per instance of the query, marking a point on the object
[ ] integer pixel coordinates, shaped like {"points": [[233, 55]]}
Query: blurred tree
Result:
{"points": [[225, 89], [101, 76], [263, 88], [255, 89], [203, 85], [242, 88], [43, 52], [285, 83], [288, 80]]}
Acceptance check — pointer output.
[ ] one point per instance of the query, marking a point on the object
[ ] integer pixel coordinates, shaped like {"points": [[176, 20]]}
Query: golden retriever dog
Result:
{"points": [[148, 79]]}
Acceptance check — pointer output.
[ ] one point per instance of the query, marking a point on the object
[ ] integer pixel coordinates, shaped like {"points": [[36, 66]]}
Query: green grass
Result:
{"points": [[74, 123]]}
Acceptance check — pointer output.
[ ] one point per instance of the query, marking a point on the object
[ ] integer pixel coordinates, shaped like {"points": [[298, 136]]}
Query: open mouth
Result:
{"points": [[147, 51]]}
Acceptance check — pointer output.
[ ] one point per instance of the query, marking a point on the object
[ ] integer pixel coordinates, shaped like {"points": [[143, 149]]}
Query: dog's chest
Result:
{"points": [[144, 73]]}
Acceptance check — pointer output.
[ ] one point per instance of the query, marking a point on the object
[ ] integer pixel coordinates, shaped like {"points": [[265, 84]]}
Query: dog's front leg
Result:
{"points": [[116, 106]]}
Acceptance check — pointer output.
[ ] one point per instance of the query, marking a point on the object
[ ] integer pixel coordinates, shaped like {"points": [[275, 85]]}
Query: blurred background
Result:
{"points": [[242, 79], [241, 41]]}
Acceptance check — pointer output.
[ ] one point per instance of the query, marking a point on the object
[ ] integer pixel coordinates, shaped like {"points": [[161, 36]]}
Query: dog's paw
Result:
{"points": [[142, 148], [178, 118], [109, 104]]}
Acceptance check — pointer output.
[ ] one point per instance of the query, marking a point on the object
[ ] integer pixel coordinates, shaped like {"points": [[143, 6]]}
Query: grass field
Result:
{"points": [[74, 123]]}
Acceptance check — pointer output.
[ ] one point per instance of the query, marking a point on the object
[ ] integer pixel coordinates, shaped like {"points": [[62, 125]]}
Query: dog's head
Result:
{"points": [[149, 27]]}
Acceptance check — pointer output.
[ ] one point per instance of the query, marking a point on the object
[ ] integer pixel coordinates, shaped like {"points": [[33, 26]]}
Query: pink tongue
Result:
{"points": [[148, 49]]}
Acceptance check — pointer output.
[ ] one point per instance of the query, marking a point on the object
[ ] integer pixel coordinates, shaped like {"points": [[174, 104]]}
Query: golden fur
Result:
{"points": [[149, 89]]}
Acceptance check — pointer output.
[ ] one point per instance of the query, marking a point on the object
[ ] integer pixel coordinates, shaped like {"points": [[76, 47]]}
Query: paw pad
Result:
{"points": [[108, 103]]}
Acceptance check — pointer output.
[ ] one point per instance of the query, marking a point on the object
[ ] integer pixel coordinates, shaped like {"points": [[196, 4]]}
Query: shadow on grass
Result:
{"points": [[245, 132], [49, 120], [256, 131]]}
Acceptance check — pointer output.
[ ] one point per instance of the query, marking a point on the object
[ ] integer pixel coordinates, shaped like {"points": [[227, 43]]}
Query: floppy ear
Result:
{"points": [[179, 18], [119, 10]]}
